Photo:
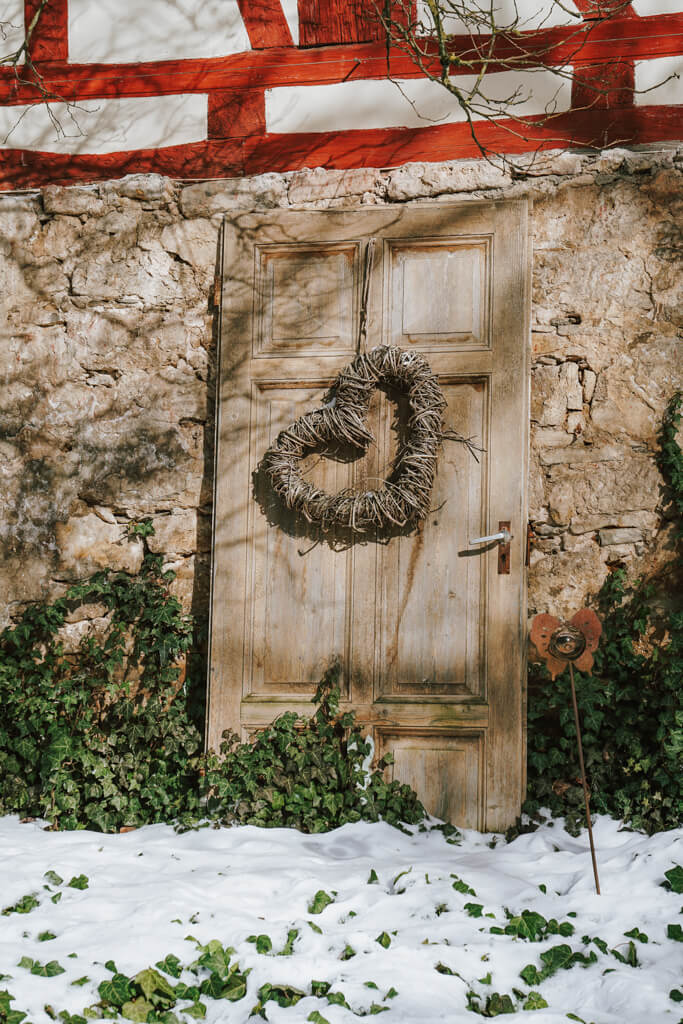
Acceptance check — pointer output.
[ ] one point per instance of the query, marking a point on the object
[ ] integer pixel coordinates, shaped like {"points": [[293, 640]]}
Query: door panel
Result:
{"points": [[430, 636], [431, 588], [446, 769], [439, 293]]}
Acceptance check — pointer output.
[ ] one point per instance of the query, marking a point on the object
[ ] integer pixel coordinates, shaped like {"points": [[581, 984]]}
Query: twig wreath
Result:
{"points": [[402, 500]]}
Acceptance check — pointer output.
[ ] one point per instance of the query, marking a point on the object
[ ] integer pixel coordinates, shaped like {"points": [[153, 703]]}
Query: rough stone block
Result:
{"points": [[194, 241], [569, 380], [71, 200], [72, 634], [619, 535], [86, 612], [175, 534], [414, 180], [559, 583], [311, 186], [149, 187], [86, 545], [548, 401], [208, 198], [18, 222], [580, 453], [183, 585], [589, 380], [575, 423]]}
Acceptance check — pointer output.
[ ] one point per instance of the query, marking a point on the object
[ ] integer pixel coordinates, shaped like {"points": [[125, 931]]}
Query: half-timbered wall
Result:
{"points": [[209, 88]]}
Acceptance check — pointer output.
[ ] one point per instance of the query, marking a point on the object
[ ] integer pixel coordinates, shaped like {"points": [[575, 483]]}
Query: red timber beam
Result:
{"points": [[385, 148], [620, 39], [50, 38], [604, 85], [265, 23]]}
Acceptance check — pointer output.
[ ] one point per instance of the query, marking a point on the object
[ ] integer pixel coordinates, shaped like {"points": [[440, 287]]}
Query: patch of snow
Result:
{"points": [[151, 888]]}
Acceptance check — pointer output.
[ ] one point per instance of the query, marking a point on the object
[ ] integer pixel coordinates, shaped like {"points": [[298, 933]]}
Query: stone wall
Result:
{"points": [[109, 339]]}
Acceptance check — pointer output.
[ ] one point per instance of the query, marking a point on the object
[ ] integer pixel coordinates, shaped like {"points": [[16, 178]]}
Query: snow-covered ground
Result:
{"points": [[408, 927]]}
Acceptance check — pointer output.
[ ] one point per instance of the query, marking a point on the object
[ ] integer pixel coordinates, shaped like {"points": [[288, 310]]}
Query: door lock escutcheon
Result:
{"points": [[502, 538]]}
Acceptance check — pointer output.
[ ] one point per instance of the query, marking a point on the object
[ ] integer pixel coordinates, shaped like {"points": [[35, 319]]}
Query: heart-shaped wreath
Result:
{"points": [[403, 499]]}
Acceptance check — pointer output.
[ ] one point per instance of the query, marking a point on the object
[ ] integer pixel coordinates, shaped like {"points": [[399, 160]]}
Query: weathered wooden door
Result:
{"points": [[430, 631]]}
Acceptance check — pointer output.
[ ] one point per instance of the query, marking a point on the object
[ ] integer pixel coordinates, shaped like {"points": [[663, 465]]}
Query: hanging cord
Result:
{"points": [[365, 294]]}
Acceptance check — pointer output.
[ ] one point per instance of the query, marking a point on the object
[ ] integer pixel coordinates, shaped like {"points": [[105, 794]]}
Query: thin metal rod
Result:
{"points": [[583, 779]]}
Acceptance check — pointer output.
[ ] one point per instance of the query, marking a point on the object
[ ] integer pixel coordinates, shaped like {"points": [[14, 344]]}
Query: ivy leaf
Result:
{"points": [[48, 970], [530, 975], [635, 933], [317, 1018], [474, 909], [79, 882], [197, 1010], [151, 983], [170, 965], [384, 940], [288, 948], [535, 1001], [46, 936], [674, 879], [116, 991], [53, 877], [262, 942], [319, 902], [137, 1010], [236, 987], [675, 932], [497, 1004]]}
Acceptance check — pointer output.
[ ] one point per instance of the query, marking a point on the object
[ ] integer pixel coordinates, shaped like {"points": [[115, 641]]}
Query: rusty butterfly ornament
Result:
{"points": [[561, 644]]}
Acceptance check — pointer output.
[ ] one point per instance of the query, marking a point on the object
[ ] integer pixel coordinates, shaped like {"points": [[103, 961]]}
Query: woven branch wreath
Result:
{"points": [[400, 501]]}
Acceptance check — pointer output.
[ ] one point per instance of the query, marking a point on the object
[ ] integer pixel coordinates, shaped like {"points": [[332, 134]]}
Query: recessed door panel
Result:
{"points": [[432, 597]]}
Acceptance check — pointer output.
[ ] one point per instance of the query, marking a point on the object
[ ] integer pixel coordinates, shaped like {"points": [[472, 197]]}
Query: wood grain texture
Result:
{"points": [[265, 23], [236, 114], [50, 39], [322, 22], [430, 636]]}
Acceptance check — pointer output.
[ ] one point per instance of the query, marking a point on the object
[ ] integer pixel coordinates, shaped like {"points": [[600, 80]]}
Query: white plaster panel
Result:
{"points": [[409, 103], [131, 30], [461, 17], [106, 126], [644, 8], [291, 12], [11, 26], [664, 77]]}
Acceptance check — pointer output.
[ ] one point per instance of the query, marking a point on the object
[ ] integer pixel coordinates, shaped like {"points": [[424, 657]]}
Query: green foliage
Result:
{"points": [[630, 706], [533, 927], [96, 739], [306, 774], [631, 719], [674, 879], [102, 739], [24, 905]]}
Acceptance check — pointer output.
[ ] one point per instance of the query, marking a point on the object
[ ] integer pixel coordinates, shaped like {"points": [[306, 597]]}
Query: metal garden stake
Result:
{"points": [[571, 643]]}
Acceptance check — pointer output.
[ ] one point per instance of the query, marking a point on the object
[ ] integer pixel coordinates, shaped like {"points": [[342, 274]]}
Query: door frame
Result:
{"points": [[487, 819]]}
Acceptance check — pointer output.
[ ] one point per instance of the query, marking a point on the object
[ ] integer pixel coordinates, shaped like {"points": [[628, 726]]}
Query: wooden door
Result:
{"points": [[431, 635]]}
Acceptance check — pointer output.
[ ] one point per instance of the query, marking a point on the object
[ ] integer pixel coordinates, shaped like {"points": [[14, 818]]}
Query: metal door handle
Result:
{"points": [[503, 537]]}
